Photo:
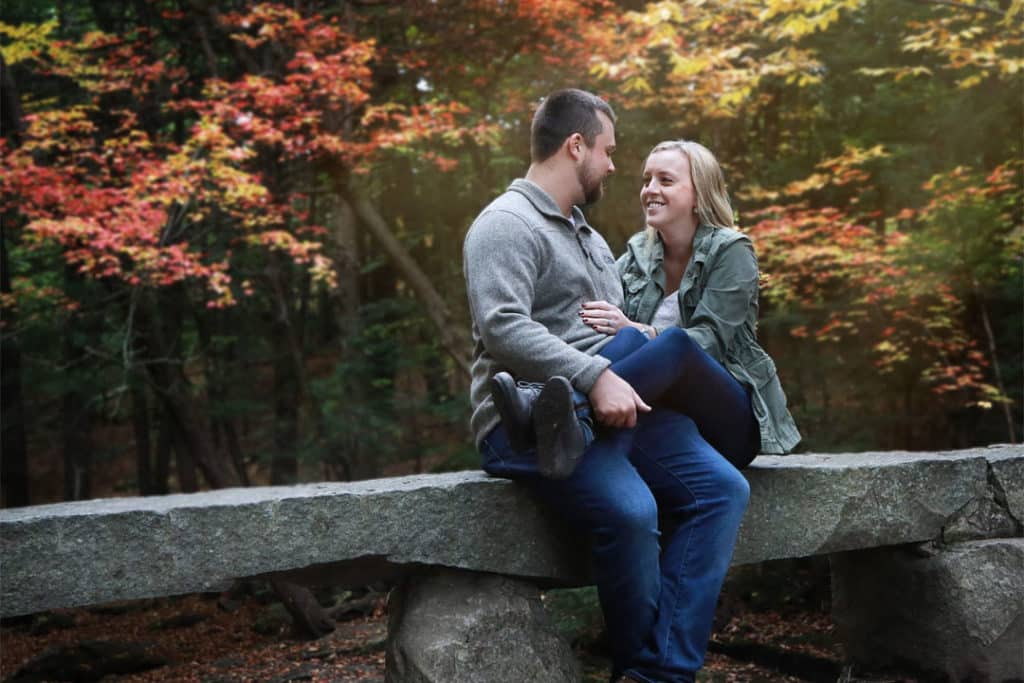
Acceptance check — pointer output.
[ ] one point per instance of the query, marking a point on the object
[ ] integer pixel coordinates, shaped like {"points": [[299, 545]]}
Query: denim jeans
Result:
{"points": [[662, 508], [658, 585], [672, 371]]}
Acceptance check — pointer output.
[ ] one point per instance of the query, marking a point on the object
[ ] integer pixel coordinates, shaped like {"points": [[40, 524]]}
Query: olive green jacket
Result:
{"points": [[718, 305]]}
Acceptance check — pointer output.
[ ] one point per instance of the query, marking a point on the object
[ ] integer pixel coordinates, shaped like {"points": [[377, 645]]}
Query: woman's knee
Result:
{"points": [[676, 334], [632, 336], [624, 343], [678, 338]]}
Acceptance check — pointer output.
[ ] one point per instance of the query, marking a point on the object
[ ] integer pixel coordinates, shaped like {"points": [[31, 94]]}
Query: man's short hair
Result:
{"points": [[563, 113]]}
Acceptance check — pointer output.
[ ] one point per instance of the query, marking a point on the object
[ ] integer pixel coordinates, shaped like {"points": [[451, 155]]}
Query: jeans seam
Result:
{"points": [[686, 549]]}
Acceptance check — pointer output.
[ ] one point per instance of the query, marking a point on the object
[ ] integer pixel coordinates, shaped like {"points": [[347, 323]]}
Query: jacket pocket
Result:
{"points": [[762, 371], [633, 282]]}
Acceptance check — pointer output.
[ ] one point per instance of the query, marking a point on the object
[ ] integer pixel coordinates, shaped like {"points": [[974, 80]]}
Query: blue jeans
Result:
{"points": [[658, 584], [673, 372]]}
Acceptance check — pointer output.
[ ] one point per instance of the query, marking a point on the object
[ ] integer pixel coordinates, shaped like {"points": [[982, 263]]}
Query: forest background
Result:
{"points": [[232, 230]]}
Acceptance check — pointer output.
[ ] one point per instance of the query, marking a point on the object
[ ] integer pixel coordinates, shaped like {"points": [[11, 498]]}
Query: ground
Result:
{"points": [[246, 637]]}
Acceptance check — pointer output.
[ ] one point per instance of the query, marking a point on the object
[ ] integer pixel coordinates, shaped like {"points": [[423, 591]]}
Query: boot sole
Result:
{"points": [[559, 441], [501, 387]]}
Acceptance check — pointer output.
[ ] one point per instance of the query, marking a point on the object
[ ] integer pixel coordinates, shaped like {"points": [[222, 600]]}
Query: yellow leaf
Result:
{"points": [[26, 40], [969, 82]]}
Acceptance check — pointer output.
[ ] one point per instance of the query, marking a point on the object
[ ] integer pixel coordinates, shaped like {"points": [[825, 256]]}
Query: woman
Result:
{"points": [[691, 269], [687, 339]]}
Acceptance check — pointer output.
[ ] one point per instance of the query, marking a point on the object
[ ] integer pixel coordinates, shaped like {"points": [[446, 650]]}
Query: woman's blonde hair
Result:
{"points": [[709, 189]]}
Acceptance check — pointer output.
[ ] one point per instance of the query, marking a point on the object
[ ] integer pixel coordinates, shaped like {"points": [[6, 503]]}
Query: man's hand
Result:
{"points": [[614, 401]]}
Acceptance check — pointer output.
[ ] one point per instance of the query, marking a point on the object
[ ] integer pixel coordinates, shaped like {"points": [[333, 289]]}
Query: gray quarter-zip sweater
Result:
{"points": [[528, 268]]}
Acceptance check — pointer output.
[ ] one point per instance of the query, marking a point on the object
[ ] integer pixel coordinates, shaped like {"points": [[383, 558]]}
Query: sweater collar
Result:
{"points": [[543, 202]]}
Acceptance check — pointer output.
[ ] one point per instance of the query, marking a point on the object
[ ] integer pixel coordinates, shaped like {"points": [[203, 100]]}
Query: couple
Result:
{"points": [[650, 388]]}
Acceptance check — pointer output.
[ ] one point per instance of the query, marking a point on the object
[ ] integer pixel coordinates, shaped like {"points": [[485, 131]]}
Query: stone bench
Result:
{"points": [[467, 550]]}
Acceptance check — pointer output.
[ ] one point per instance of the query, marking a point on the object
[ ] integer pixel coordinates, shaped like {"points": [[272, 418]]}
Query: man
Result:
{"points": [[530, 259]]}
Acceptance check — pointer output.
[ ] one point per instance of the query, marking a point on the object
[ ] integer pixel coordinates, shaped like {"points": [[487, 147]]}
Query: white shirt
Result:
{"points": [[668, 314]]}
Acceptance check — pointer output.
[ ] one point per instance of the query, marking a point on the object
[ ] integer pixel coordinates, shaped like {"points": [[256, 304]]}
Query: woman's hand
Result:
{"points": [[604, 317]]}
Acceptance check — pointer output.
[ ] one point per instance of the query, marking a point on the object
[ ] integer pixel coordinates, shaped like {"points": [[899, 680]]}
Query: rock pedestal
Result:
{"points": [[473, 628], [957, 611]]}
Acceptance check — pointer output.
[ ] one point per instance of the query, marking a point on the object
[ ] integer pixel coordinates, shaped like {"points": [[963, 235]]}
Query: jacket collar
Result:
{"points": [[650, 253], [703, 240], [543, 202]]}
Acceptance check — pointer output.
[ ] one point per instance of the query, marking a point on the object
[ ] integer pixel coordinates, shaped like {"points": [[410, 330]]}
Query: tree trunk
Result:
{"points": [[143, 449], [288, 389], [76, 415], [235, 450], [14, 486], [162, 331], [994, 355], [11, 122], [77, 446], [309, 617], [219, 373], [13, 451], [184, 464], [452, 335], [347, 456], [162, 466]]}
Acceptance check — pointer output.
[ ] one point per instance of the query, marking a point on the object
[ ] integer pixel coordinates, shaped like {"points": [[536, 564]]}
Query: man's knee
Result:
{"points": [[734, 487], [634, 517]]}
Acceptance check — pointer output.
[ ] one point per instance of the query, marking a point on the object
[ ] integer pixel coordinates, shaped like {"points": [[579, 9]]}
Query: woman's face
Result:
{"points": [[667, 193]]}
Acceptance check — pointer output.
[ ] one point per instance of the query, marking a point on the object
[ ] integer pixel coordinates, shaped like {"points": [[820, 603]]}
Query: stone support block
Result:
{"points": [[473, 628], [957, 611]]}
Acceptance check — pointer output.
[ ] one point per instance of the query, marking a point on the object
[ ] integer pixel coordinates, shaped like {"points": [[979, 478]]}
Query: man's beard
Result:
{"points": [[593, 188]]}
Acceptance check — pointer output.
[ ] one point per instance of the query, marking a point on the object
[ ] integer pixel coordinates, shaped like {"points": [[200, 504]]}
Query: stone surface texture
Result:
{"points": [[1006, 470], [804, 505], [474, 628], [956, 610], [116, 549], [103, 550]]}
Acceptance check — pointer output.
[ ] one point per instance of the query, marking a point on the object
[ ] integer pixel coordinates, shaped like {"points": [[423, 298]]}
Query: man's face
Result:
{"points": [[596, 164]]}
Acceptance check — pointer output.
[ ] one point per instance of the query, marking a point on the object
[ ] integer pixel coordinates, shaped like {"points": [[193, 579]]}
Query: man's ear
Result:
{"points": [[574, 145]]}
